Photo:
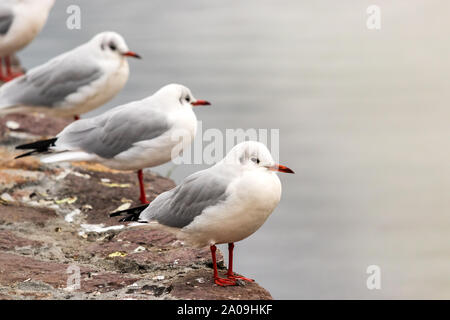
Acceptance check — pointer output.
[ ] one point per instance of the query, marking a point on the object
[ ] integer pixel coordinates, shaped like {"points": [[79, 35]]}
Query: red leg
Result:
{"points": [[8, 66], [141, 187], [1, 70], [3, 77], [9, 74], [223, 282], [230, 273]]}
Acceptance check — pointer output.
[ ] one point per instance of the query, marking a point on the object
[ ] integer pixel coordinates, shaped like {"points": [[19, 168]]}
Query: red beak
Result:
{"points": [[280, 168], [132, 54], [201, 103]]}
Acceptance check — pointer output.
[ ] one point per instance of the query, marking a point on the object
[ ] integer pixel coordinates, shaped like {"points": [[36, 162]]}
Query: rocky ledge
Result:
{"points": [[57, 241]]}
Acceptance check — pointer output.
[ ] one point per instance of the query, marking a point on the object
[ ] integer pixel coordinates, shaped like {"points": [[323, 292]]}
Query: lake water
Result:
{"points": [[363, 118]]}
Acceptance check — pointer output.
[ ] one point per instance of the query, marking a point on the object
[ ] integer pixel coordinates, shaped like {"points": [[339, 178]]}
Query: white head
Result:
{"points": [[179, 96], [253, 155], [111, 45]]}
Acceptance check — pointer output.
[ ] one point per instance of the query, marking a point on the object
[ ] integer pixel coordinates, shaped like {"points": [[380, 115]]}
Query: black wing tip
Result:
{"points": [[114, 214], [41, 145], [132, 218], [131, 214], [25, 155]]}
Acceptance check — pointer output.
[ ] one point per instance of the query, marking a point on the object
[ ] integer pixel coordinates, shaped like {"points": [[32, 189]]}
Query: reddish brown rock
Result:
{"points": [[15, 213], [199, 285], [104, 249], [106, 191], [106, 282], [175, 257], [15, 268], [146, 236], [34, 124], [140, 249], [10, 241]]}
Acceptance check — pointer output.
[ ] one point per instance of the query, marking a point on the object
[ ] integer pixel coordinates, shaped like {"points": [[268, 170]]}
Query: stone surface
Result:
{"points": [[54, 221], [10, 241], [33, 124]]}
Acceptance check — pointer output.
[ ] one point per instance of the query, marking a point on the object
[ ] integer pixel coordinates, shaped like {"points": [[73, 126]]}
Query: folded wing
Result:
{"points": [[48, 85], [109, 134], [179, 206]]}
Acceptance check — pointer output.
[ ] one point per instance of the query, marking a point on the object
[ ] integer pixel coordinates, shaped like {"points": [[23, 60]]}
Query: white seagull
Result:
{"points": [[20, 22], [74, 82], [132, 136], [223, 204]]}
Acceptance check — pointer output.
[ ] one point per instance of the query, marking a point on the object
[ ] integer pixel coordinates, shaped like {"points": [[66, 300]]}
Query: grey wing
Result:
{"points": [[49, 84], [6, 19], [116, 131], [179, 206]]}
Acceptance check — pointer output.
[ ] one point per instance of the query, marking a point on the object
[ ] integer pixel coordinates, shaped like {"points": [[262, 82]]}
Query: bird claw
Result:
{"points": [[237, 277], [223, 282]]}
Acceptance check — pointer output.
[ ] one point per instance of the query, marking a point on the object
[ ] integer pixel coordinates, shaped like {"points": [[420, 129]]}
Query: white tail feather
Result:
{"points": [[68, 156]]}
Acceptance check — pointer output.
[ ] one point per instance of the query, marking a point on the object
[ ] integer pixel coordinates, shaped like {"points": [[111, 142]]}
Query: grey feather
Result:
{"points": [[179, 206], [49, 84], [115, 131], [6, 19]]}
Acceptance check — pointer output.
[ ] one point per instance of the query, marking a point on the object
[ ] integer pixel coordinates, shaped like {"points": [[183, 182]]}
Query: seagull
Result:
{"points": [[74, 82], [132, 136], [223, 204], [20, 22]]}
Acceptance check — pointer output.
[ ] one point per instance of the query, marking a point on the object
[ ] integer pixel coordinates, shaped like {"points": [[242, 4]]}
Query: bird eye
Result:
{"points": [[112, 46], [255, 160], [188, 99]]}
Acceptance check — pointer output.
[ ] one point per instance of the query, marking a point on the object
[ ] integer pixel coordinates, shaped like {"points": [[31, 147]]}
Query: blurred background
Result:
{"points": [[363, 118]]}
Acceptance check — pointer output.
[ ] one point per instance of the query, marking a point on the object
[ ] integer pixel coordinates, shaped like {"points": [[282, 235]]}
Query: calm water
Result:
{"points": [[363, 118]]}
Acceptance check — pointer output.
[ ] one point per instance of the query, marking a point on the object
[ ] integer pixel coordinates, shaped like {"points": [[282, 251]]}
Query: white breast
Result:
{"points": [[252, 199]]}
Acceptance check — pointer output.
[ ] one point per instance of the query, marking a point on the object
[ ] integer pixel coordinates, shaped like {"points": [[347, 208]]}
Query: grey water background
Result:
{"points": [[363, 118]]}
